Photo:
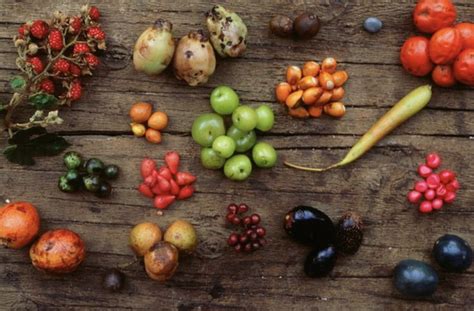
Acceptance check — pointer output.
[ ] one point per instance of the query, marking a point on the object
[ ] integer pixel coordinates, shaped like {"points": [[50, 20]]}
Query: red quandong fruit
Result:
{"points": [[19, 224]]}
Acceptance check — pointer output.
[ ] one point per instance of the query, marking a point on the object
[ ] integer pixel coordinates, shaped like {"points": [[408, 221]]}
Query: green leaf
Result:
{"points": [[42, 101], [23, 148], [17, 83]]}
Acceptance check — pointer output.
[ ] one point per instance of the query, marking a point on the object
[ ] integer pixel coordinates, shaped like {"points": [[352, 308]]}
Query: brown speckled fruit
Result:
{"points": [[307, 25], [19, 224], [349, 233], [58, 251], [161, 261], [281, 26], [182, 235], [143, 236]]}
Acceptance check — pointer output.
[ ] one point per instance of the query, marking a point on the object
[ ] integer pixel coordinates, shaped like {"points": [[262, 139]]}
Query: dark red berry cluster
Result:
{"points": [[435, 189], [251, 235]]}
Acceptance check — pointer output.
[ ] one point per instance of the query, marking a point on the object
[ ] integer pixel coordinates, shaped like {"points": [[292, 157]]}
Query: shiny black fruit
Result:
{"points": [[320, 261], [452, 253], [415, 278], [111, 171], [309, 225], [113, 280], [104, 190], [349, 233], [94, 166]]}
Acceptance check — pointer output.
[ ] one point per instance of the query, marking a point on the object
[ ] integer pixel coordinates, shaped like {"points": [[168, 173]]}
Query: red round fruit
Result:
{"points": [[232, 208], [433, 181], [233, 239], [446, 176], [466, 30], [464, 67], [243, 208], [426, 207], [238, 248], [75, 24], [230, 217], [445, 45], [433, 160], [443, 75], [94, 13], [19, 224], [39, 29], [55, 40], [441, 191], [47, 86], [415, 57], [96, 33], [437, 204], [414, 196], [36, 64], [261, 231], [432, 15], [235, 220], [255, 219], [453, 186], [424, 171], [421, 186], [430, 194], [450, 197], [247, 220]]}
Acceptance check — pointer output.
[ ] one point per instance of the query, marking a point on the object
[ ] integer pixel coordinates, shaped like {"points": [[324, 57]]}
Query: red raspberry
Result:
{"points": [[61, 66], [81, 48], [55, 40], [46, 85], [96, 33], [75, 90], [23, 30], [36, 64], [94, 13], [92, 60], [39, 29], [75, 70], [75, 24]]}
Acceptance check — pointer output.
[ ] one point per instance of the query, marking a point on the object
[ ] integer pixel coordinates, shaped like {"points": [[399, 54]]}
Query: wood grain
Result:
{"points": [[271, 279]]}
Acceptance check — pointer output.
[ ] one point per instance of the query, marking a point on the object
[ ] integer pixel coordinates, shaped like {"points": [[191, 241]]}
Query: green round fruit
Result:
{"points": [[264, 155], [72, 160], [206, 128], [224, 100], [65, 186], [224, 146], [74, 178], [244, 141], [94, 166], [265, 118], [111, 171], [244, 118], [238, 167], [211, 160], [104, 190], [91, 182]]}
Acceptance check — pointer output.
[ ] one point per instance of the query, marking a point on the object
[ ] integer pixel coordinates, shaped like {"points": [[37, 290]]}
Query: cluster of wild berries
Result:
{"points": [[56, 54], [252, 234]]}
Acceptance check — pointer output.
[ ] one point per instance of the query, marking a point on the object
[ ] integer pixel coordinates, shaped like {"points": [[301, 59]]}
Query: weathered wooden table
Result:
{"points": [[270, 279]]}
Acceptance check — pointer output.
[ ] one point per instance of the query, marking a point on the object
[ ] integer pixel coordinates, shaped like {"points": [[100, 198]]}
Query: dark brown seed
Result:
{"points": [[306, 25], [349, 233], [281, 26]]}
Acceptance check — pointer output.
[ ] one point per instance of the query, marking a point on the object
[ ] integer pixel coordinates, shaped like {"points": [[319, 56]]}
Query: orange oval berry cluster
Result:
{"points": [[314, 89], [141, 113]]}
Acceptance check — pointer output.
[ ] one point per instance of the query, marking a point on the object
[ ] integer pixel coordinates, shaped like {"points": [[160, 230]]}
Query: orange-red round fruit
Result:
{"points": [[432, 15], [464, 67], [445, 45], [443, 76], [415, 57], [158, 120], [58, 251], [19, 224], [140, 112], [466, 30]]}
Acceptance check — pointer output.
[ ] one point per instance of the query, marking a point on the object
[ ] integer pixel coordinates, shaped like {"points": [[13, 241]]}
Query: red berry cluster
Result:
{"points": [[165, 184], [252, 234], [435, 189], [57, 53]]}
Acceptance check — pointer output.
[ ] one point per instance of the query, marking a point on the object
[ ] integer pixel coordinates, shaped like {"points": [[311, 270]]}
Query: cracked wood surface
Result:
{"points": [[270, 279]]}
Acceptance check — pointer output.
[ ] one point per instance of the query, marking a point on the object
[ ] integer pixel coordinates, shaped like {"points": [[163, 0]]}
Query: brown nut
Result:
{"points": [[329, 65], [315, 111], [324, 99], [335, 109], [294, 99], [299, 112], [293, 74], [306, 25], [340, 77], [338, 93], [161, 261], [311, 69], [282, 91], [311, 95], [326, 81], [281, 26], [307, 82]]}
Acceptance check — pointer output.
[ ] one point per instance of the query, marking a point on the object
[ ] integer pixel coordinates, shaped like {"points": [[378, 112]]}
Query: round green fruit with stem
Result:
{"points": [[244, 118], [265, 118], [224, 146], [264, 155], [211, 160], [224, 100], [238, 168], [206, 128], [244, 141]]}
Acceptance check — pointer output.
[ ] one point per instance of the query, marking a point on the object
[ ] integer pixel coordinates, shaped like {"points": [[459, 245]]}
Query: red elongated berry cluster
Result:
{"points": [[251, 236], [54, 56], [165, 184], [435, 189]]}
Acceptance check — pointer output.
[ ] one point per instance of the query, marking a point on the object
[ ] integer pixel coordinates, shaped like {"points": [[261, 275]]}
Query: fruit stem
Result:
{"points": [[312, 169]]}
